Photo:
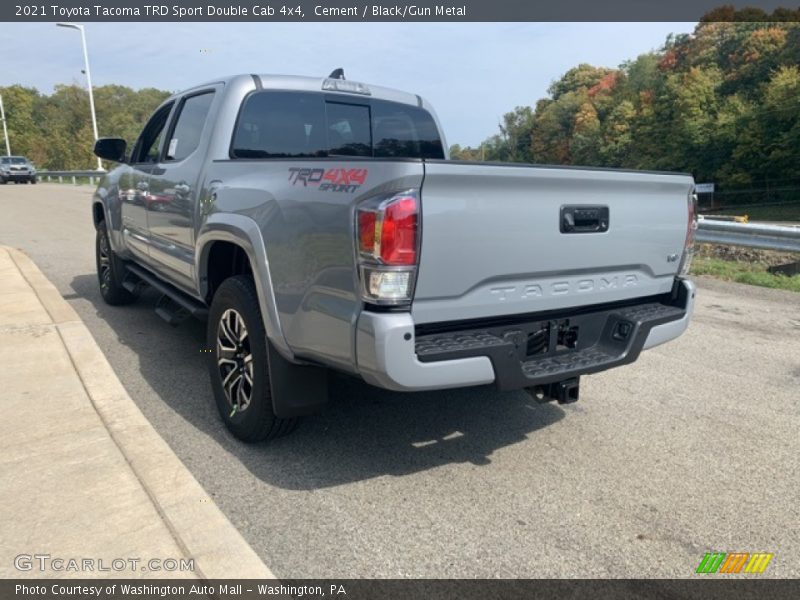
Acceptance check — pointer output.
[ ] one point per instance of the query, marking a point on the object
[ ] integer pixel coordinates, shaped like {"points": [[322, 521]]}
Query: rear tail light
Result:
{"points": [[691, 227], [386, 287], [388, 247], [387, 230]]}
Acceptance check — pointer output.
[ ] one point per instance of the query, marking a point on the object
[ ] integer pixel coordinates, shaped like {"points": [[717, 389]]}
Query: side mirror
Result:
{"points": [[110, 149]]}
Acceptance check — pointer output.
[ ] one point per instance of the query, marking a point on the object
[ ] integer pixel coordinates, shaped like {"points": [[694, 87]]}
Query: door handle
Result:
{"points": [[584, 219]]}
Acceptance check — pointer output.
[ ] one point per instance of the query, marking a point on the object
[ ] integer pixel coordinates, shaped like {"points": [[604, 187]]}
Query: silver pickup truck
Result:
{"points": [[317, 224]]}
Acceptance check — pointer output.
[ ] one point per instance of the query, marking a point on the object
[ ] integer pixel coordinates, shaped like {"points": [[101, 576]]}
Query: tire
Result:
{"points": [[33, 181], [238, 363], [110, 270]]}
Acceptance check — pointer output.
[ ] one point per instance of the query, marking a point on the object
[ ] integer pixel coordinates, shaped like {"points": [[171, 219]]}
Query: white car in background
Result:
{"points": [[16, 169]]}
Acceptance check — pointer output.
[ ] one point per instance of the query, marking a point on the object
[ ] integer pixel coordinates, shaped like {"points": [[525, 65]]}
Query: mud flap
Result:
{"points": [[297, 390]]}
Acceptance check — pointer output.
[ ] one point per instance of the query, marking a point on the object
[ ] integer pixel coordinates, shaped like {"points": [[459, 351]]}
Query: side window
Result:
{"points": [[348, 129], [402, 131], [280, 125], [146, 149], [186, 133]]}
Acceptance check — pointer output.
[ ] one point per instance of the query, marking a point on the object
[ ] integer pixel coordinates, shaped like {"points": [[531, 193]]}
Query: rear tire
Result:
{"points": [[110, 270], [238, 363]]}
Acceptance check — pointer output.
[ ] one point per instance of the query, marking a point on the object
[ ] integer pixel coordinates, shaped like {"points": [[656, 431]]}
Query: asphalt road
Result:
{"points": [[694, 448]]}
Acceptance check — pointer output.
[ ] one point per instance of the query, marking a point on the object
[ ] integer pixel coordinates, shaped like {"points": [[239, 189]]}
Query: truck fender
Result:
{"points": [[108, 202], [245, 233]]}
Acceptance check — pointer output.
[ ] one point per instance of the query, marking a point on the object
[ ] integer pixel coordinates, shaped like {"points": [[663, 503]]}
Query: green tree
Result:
{"points": [[21, 106], [55, 131], [516, 131]]}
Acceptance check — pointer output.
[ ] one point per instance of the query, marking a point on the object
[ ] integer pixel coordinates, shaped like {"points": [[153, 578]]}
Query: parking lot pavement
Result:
{"points": [[693, 448]]}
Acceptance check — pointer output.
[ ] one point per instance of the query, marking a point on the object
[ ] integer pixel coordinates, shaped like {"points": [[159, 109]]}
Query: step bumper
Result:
{"points": [[392, 353]]}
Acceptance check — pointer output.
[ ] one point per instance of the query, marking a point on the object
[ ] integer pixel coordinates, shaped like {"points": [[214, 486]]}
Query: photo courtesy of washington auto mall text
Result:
{"points": [[177, 590], [370, 300]]}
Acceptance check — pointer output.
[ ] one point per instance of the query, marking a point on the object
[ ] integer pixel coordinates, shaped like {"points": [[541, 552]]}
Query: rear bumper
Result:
{"points": [[393, 354], [669, 331]]}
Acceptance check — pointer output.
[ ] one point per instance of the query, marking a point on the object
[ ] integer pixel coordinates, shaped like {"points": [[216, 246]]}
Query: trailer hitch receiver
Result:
{"points": [[564, 392]]}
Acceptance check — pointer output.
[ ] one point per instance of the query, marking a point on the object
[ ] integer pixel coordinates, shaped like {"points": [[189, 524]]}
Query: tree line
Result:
{"points": [[722, 103], [55, 131]]}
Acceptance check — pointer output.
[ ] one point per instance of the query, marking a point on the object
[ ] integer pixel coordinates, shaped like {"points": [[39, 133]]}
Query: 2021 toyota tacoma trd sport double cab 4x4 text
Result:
{"points": [[317, 224]]}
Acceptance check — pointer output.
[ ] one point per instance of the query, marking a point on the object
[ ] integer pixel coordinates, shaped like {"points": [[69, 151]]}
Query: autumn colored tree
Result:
{"points": [[722, 103]]}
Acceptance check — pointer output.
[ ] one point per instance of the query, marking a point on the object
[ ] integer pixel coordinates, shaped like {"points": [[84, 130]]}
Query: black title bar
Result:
{"points": [[707, 587], [360, 10]]}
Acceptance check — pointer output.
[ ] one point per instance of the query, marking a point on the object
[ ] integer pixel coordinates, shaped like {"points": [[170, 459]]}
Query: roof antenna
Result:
{"points": [[337, 74]]}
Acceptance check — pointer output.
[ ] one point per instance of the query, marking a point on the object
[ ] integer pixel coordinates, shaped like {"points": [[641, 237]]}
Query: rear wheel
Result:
{"points": [[238, 363], [110, 270]]}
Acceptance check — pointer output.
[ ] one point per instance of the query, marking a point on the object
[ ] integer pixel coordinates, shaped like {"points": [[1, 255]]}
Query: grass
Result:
{"points": [[778, 212], [740, 272]]}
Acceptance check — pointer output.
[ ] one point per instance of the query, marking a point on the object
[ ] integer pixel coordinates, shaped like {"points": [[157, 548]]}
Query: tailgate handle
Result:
{"points": [[584, 219]]}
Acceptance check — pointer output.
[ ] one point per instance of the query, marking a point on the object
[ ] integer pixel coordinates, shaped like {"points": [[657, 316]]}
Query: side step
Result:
{"points": [[172, 312], [173, 306]]}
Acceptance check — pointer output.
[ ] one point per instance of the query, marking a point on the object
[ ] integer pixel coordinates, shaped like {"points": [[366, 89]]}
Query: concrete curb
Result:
{"points": [[196, 523]]}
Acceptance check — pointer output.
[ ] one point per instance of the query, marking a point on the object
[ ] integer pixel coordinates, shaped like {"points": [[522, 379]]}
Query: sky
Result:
{"points": [[472, 73]]}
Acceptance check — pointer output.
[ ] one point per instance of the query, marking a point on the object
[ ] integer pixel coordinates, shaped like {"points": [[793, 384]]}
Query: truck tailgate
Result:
{"points": [[492, 240]]}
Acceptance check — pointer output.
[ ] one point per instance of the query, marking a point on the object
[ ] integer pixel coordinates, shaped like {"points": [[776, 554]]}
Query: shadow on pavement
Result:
{"points": [[364, 432]]}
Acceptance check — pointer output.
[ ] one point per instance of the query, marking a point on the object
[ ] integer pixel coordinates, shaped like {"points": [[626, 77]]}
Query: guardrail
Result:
{"points": [[752, 235], [61, 175], [736, 218]]}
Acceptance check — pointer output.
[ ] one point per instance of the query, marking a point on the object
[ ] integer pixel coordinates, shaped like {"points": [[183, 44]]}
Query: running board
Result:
{"points": [[174, 306], [172, 312]]}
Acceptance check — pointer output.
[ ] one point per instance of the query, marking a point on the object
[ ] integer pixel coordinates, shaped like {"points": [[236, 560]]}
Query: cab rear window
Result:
{"points": [[277, 124]]}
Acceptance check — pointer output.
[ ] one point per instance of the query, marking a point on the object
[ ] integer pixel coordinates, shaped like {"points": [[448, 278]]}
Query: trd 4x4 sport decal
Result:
{"points": [[329, 180]]}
